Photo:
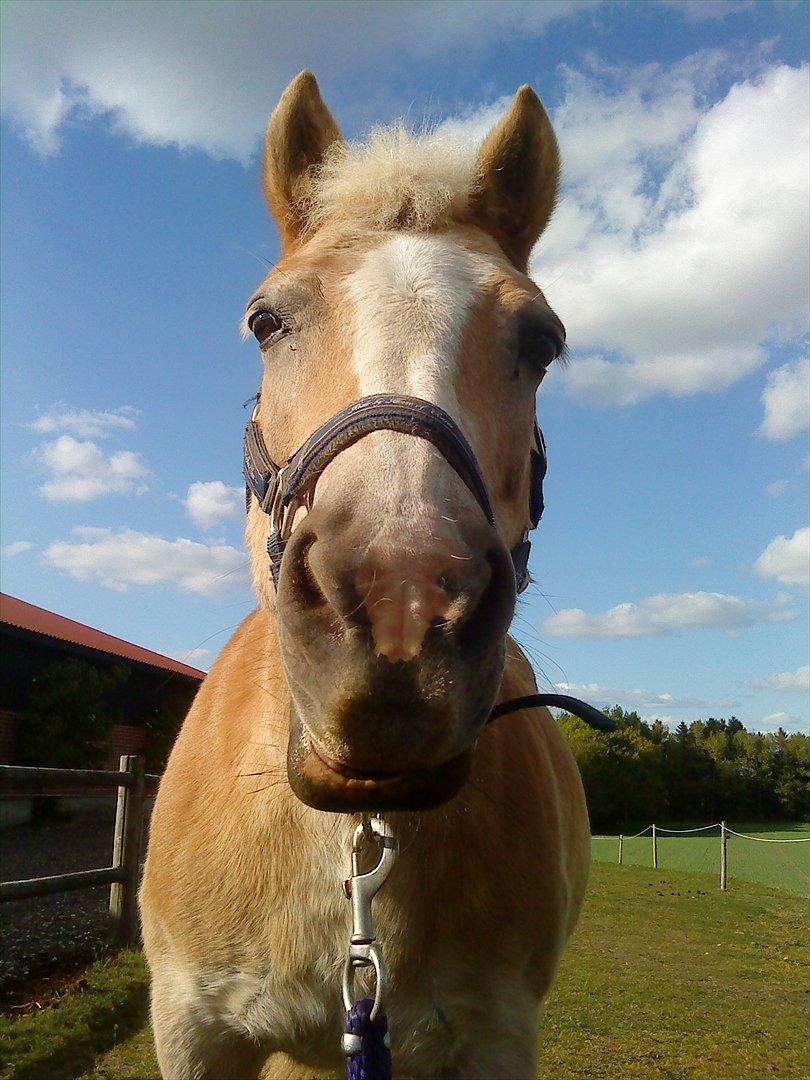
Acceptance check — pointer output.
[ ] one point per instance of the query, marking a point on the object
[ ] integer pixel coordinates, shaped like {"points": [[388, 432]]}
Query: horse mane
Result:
{"points": [[397, 179]]}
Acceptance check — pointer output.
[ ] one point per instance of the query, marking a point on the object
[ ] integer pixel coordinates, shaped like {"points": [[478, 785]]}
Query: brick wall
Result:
{"points": [[123, 739]]}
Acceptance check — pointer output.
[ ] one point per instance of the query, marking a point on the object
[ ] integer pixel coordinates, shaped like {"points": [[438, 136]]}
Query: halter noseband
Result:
{"points": [[281, 490]]}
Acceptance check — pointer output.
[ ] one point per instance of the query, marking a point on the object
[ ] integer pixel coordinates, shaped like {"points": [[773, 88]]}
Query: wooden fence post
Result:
{"points": [[127, 849], [655, 848], [621, 849], [723, 856]]}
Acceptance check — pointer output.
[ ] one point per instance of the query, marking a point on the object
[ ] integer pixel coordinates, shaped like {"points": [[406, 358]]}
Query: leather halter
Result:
{"points": [[281, 490]]}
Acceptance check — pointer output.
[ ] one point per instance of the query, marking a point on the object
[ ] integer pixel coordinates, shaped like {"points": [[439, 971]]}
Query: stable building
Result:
{"points": [[32, 639]]}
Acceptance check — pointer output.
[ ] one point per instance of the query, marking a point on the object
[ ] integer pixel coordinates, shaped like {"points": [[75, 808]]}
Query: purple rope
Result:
{"points": [[373, 1061]]}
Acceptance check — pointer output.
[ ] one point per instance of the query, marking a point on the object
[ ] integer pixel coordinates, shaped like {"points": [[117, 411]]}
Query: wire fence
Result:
{"points": [[714, 848]]}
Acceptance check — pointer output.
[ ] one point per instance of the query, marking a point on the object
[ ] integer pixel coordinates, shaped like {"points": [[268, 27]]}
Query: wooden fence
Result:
{"points": [[134, 788]]}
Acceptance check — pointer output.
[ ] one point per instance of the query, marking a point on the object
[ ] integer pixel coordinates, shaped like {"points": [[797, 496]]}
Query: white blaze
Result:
{"points": [[411, 298]]}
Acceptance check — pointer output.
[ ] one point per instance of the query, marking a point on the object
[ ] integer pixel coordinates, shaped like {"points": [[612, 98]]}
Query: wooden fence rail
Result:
{"points": [[123, 875]]}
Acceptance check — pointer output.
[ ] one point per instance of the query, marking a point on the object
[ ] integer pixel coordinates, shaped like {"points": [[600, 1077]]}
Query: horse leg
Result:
{"points": [[192, 1045], [502, 1045]]}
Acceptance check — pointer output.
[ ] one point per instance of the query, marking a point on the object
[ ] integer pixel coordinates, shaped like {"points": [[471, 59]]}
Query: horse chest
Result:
{"points": [[290, 999]]}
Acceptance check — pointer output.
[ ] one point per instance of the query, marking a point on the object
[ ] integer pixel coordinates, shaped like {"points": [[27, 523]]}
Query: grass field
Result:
{"points": [[666, 977], [782, 866]]}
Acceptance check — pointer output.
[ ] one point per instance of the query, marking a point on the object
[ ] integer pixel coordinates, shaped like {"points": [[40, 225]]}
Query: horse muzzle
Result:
{"points": [[326, 783]]}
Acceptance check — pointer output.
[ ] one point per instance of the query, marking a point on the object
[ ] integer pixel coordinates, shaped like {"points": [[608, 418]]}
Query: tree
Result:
{"points": [[70, 712]]}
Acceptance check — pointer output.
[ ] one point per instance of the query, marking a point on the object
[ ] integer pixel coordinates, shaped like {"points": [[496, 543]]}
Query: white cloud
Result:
{"points": [[777, 488], [674, 255], [790, 682], [786, 398], [632, 698], [194, 657], [16, 547], [123, 557], [86, 423], [705, 10], [701, 560], [668, 721], [205, 76], [664, 614], [787, 559], [210, 502], [782, 720], [81, 471]]}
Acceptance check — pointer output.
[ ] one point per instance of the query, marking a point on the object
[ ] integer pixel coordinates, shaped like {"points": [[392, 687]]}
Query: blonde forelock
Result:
{"points": [[397, 179]]}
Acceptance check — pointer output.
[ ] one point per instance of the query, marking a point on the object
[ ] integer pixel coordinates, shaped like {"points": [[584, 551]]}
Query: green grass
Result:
{"points": [[666, 977], [781, 866]]}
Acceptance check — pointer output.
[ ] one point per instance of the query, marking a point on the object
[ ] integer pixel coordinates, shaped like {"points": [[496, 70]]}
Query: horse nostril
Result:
{"points": [[449, 581], [302, 577], [303, 587], [496, 596]]}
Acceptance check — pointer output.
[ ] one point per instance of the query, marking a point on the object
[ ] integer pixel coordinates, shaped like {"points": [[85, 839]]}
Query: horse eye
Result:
{"points": [[546, 348], [263, 324]]}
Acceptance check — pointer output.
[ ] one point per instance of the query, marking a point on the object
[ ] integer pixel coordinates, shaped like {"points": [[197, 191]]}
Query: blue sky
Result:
{"points": [[672, 561]]}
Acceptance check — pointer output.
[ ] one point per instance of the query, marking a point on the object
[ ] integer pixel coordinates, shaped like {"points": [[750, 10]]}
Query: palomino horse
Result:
{"points": [[364, 681]]}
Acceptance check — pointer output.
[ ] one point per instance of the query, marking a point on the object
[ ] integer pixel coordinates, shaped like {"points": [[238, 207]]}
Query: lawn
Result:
{"points": [[782, 866], [666, 977]]}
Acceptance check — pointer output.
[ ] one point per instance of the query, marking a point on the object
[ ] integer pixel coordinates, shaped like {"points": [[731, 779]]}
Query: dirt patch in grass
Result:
{"points": [[46, 985]]}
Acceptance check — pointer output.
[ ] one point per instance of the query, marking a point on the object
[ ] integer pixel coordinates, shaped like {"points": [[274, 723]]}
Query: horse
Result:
{"points": [[364, 678]]}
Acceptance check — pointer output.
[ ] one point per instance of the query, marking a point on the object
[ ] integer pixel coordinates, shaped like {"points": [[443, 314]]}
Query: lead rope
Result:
{"points": [[366, 1043]]}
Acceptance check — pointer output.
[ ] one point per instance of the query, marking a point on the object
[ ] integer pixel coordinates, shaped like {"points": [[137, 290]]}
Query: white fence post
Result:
{"points": [[723, 856], [655, 848], [621, 849]]}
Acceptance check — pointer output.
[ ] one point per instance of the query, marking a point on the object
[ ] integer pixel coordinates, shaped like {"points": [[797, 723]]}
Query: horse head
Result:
{"points": [[403, 272]]}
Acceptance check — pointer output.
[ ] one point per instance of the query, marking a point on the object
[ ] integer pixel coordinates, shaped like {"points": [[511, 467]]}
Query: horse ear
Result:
{"points": [[300, 131], [516, 177]]}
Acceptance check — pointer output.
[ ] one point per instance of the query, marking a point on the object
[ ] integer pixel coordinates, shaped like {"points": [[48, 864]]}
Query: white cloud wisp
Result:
{"points": [[81, 471], [210, 502], [633, 698], [123, 557], [787, 559], [786, 682], [85, 423], [786, 398], [16, 547], [665, 614]]}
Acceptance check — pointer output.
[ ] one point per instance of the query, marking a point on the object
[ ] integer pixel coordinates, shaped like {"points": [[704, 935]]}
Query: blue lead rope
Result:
{"points": [[373, 1060]]}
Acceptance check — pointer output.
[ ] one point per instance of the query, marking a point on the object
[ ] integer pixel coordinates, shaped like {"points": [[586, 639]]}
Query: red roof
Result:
{"points": [[36, 619]]}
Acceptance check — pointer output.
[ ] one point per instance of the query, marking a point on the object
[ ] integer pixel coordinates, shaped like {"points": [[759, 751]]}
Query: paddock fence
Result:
{"points": [[135, 788], [658, 847]]}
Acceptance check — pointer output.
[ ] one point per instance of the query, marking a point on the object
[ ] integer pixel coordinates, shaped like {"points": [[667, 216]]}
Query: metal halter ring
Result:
{"points": [[366, 955]]}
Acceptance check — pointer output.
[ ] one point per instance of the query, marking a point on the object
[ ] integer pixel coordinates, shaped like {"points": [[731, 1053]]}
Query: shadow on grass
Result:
{"points": [[102, 1023]]}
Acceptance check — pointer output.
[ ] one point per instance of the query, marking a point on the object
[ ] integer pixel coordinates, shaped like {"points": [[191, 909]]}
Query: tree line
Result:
{"points": [[706, 771]]}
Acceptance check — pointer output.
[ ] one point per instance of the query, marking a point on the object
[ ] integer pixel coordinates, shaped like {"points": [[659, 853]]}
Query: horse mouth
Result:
{"points": [[326, 784], [350, 772]]}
